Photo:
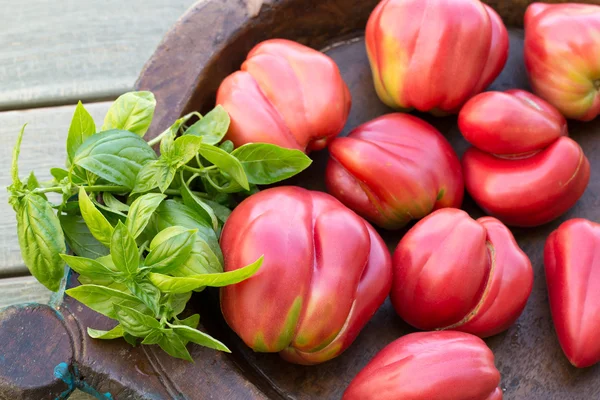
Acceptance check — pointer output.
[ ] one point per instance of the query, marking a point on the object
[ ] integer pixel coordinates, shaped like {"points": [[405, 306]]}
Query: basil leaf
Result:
{"points": [[176, 303], [199, 206], [192, 321], [183, 150], [140, 212], [124, 251], [79, 238], [59, 174], [96, 222], [172, 344], [212, 127], [102, 299], [226, 163], [41, 240], [132, 112], [116, 156], [88, 267], [166, 143], [220, 211], [132, 340], [227, 146], [265, 163], [170, 248], [114, 333], [169, 284], [147, 293], [172, 213], [202, 260], [134, 322], [32, 182], [198, 337], [153, 337], [154, 174], [113, 203], [112, 216], [82, 127]]}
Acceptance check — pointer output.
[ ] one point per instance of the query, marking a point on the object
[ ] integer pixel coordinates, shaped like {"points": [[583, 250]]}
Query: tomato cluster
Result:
{"points": [[326, 270]]}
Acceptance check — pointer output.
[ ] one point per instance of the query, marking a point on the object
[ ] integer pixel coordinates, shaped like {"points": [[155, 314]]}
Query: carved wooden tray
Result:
{"points": [[45, 353]]}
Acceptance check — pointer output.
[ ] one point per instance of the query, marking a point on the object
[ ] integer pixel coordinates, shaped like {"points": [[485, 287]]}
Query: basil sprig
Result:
{"points": [[143, 228]]}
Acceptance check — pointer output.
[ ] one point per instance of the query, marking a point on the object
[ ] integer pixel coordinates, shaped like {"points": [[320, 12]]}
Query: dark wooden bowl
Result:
{"points": [[209, 42]]}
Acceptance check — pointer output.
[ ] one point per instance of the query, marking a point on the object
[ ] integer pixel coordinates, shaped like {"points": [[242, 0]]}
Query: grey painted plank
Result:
{"points": [[24, 289], [43, 147], [58, 52]]}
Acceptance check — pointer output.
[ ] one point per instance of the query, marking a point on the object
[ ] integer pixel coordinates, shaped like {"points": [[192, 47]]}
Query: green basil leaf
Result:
{"points": [[41, 240], [166, 143], [154, 174], [196, 204], [202, 260], [82, 127], [108, 280], [59, 174], [32, 182], [147, 293], [132, 112], [140, 212], [124, 251], [95, 220], [132, 340], [147, 178], [170, 284], [113, 203], [114, 333], [227, 146], [153, 337], [192, 321], [170, 248], [112, 216], [198, 337], [220, 211], [172, 344], [184, 149], [212, 127], [221, 184], [88, 267], [116, 156], [172, 213], [102, 299], [134, 322], [79, 238], [226, 163], [265, 163], [176, 302]]}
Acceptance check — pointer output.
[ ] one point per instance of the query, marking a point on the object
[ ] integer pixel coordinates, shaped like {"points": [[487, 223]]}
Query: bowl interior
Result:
{"points": [[528, 354]]}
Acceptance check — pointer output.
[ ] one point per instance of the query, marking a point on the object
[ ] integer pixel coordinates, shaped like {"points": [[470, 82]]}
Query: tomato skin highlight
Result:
{"points": [[523, 168], [572, 266], [445, 365], [424, 54], [325, 273], [453, 272], [285, 94], [394, 169], [562, 56]]}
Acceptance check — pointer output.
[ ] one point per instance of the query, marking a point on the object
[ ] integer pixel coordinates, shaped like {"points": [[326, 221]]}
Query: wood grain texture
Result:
{"points": [[527, 355], [58, 52], [43, 147], [23, 289]]}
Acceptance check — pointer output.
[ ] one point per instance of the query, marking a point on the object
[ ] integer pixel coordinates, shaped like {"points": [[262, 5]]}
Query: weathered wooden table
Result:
{"points": [[52, 55]]}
